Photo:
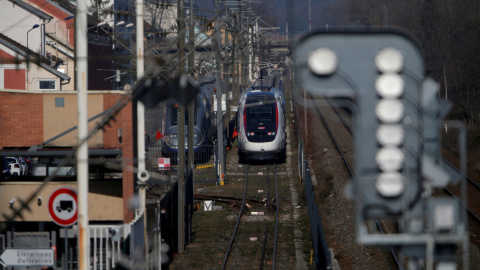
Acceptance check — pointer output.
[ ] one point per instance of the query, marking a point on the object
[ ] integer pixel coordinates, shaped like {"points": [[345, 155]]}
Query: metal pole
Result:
{"points": [[141, 123], [191, 106], [181, 134], [82, 152], [218, 67], [66, 248], [232, 76], [191, 115], [239, 68], [227, 89], [250, 55]]}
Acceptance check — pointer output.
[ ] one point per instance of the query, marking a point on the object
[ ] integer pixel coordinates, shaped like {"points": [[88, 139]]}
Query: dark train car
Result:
{"points": [[204, 123]]}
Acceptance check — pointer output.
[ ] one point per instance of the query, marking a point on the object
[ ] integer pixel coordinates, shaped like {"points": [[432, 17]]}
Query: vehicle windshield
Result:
{"points": [[174, 114], [261, 118], [260, 113]]}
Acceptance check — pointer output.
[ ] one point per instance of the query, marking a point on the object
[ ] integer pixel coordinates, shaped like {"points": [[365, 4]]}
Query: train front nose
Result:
{"points": [[173, 139]]}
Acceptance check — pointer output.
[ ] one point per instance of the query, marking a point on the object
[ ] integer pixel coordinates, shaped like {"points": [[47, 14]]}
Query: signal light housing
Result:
{"points": [[379, 77]]}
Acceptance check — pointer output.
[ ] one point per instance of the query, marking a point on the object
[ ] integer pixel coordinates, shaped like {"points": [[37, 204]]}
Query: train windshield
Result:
{"points": [[261, 120], [260, 113], [174, 114]]}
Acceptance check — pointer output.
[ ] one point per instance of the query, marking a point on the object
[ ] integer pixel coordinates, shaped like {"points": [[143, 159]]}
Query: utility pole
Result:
{"points": [[82, 152], [191, 115], [227, 80], [181, 132], [218, 66], [142, 173], [232, 75], [251, 54], [191, 105], [239, 69]]}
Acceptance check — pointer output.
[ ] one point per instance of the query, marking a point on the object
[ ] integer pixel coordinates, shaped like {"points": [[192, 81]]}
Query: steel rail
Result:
{"points": [[471, 181], [227, 254], [264, 247], [276, 217], [268, 204]]}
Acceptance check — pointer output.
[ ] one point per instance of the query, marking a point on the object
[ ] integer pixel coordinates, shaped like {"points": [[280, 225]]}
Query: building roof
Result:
{"points": [[33, 56], [72, 9], [35, 11]]}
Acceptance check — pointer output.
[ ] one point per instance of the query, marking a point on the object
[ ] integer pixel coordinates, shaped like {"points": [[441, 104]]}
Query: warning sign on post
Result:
{"points": [[62, 206], [164, 164]]}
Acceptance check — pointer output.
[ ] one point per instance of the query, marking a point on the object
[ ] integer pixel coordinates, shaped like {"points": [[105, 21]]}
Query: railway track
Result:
{"points": [[472, 197], [474, 190], [258, 210], [452, 191], [378, 224]]}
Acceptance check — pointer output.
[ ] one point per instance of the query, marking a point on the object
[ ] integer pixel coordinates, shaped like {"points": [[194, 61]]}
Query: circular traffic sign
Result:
{"points": [[62, 206]]}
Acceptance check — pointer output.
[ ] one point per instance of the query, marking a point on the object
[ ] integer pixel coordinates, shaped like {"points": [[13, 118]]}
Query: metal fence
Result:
{"points": [[105, 246], [161, 211], [321, 253], [162, 229], [205, 170]]}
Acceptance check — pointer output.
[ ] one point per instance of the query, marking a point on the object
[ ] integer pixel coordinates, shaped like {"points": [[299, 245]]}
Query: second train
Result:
{"points": [[261, 124]]}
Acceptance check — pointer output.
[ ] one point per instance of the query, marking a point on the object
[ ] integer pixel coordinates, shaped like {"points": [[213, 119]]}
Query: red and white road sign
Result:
{"points": [[62, 206], [163, 163]]}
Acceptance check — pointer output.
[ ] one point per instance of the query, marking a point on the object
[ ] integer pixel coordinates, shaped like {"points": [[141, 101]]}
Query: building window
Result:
{"points": [[47, 85]]}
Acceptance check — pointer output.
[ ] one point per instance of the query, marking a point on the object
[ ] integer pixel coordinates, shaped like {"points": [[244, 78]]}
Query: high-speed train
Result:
{"points": [[261, 125], [204, 123], [267, 83]]}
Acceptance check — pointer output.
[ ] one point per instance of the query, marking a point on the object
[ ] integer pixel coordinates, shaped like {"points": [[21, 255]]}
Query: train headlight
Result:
{"points": [[322, 61], [195, 135]]}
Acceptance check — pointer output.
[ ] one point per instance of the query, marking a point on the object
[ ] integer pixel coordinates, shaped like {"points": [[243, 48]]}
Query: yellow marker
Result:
{"points": [[222, 183], [204, 166]]}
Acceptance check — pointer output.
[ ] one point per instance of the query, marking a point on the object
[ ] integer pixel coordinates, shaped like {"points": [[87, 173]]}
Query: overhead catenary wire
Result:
{"points": [[114, 110], [153, 71]]}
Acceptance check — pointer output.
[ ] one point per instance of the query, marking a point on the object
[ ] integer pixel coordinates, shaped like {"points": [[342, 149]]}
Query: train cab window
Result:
{"points": [[260, 113], [174, 115], [261, 123]]}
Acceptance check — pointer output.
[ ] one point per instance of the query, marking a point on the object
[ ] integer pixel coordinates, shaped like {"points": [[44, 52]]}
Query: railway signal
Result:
{"points": [[383, 73], [396, 132]]}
